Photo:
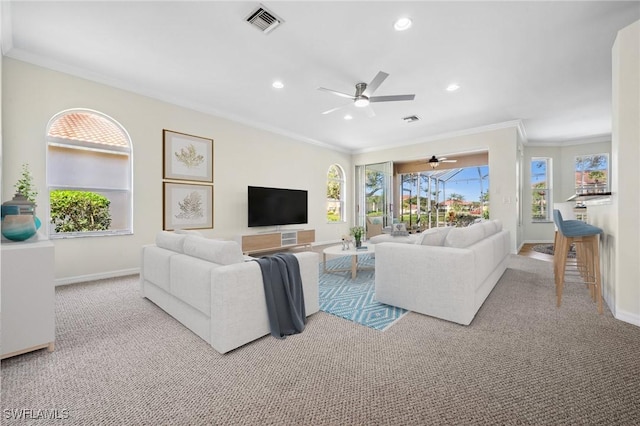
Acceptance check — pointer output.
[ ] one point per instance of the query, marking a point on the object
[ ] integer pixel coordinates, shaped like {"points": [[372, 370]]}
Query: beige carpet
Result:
{"points": [[120, 360]]}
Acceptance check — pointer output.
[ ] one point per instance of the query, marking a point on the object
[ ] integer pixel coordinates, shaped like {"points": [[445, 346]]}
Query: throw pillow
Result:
{"points": [[399, 229], [464, 237], [170, 241], [216, 251], [433, 236]]}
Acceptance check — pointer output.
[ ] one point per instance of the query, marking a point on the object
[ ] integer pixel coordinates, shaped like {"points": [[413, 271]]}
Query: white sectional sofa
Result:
{"points": [[211, 288], [444, 272]]}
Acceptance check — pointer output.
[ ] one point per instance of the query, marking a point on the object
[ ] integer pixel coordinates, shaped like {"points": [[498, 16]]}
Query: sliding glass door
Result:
{"points": [[374, 193]]}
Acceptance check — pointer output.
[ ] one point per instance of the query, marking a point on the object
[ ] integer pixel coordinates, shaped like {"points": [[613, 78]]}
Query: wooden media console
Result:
{"points": [[273, 241]]}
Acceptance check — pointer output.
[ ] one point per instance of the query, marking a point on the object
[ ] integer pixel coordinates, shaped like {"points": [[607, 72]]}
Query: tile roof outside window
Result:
{"points": [[88, 127]]}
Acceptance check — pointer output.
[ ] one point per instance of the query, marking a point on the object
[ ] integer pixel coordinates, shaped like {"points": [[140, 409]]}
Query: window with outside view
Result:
{"points": [[541, 189], [592, 174], [89, 174], [451, 197], [335, 194]]}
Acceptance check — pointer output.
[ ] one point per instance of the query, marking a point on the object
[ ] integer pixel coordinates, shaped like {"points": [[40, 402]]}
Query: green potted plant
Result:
{"points": [[24, 186], [357, 232]]}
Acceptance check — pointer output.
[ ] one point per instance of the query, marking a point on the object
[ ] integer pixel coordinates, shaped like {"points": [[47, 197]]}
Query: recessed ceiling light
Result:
{"points": [[348, 117], [278, 84], [402, 24], [452, 87]]}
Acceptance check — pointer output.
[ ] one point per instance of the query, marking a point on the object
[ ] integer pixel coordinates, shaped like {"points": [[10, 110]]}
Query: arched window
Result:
{"points": [[335, 194], [89, 175]]}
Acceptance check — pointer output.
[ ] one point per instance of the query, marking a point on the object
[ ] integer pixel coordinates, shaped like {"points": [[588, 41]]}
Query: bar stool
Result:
{"points": [[587, 264], [557, 239]]}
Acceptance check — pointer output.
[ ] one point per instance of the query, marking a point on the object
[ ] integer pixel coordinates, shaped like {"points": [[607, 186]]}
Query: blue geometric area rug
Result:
{"points": [[354, 300]]}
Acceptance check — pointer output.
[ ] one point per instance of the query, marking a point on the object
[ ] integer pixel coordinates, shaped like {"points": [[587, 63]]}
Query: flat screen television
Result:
{"points": [[276, 206]]}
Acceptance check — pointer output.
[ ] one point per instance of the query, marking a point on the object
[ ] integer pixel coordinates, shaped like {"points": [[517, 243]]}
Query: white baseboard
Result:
{"points": [[629, 317], [95, 277]]}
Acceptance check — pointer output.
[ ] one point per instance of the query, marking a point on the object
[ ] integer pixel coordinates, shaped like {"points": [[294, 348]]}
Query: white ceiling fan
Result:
{"points": [[363, 95], [435, 161]]}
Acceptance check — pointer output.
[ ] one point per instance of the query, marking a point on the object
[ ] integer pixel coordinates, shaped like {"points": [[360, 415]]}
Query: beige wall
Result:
{"points": [[501, 144], [243, 156], [621, 240]]}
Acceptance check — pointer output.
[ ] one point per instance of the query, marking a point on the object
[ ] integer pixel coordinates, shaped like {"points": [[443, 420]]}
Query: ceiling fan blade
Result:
{"points": [[344, 95], [392, 98], [369, 111], [329, 111], [375, 83], [448, 161]]}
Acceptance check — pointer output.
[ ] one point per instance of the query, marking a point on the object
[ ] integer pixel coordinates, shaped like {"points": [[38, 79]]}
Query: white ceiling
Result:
{"points": [[545, 63]]}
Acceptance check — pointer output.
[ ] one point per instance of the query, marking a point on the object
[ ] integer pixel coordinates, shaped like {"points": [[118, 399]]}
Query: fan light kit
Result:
{"points": [[364, 92], [435, 162], [278, 84], [362, 101]]}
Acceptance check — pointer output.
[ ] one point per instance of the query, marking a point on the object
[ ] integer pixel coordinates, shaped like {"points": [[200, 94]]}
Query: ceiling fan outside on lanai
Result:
{"points": [[363, 95], [435, 162]]}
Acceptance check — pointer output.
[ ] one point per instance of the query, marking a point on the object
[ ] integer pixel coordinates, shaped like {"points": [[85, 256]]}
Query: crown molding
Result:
{"points": [[573, 141], [54, 65], [465, 132]]}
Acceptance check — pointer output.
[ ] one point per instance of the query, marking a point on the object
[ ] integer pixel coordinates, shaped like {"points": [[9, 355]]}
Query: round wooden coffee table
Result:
{"points": [[337, 251]]}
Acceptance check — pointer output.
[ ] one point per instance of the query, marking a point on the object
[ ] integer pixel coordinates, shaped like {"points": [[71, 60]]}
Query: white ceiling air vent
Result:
{"points": [[264, 20], [411, 118]]}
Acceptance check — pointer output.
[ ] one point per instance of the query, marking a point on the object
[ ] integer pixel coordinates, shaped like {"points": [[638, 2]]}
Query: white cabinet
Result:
{"points": [[28, 297]]}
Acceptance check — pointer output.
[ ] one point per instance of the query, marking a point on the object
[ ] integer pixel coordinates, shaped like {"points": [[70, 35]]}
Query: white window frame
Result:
{"points": [[547, 189], [341, 181], [67, 143], [593, 189]]}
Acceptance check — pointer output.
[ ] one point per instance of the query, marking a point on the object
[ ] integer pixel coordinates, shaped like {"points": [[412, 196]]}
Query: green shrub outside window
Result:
{"points": [[79, 211]]}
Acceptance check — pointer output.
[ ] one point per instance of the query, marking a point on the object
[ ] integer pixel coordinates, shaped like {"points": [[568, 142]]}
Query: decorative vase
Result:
{"points": [[19, 222], [358, 243]]}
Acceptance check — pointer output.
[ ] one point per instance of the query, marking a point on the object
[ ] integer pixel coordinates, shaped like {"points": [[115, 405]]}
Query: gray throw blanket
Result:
{"points": [[283, 290]]}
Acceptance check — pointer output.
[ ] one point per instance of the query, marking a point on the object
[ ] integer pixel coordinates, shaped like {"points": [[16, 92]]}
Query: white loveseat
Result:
{"points": [[444, 272], [211, 288]]}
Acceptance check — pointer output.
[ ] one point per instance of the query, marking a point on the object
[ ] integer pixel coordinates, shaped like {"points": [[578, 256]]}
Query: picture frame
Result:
{"points": [[187, 206], [187, 157]]}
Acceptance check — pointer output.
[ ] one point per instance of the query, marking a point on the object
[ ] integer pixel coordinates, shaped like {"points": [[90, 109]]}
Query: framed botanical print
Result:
{"points": [[187, 206], [187, 157]]}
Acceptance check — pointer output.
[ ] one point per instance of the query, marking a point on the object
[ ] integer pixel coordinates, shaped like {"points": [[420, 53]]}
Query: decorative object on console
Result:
{"points": [[187, 157], [187, 206], [357, 232], [19, 221]]}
